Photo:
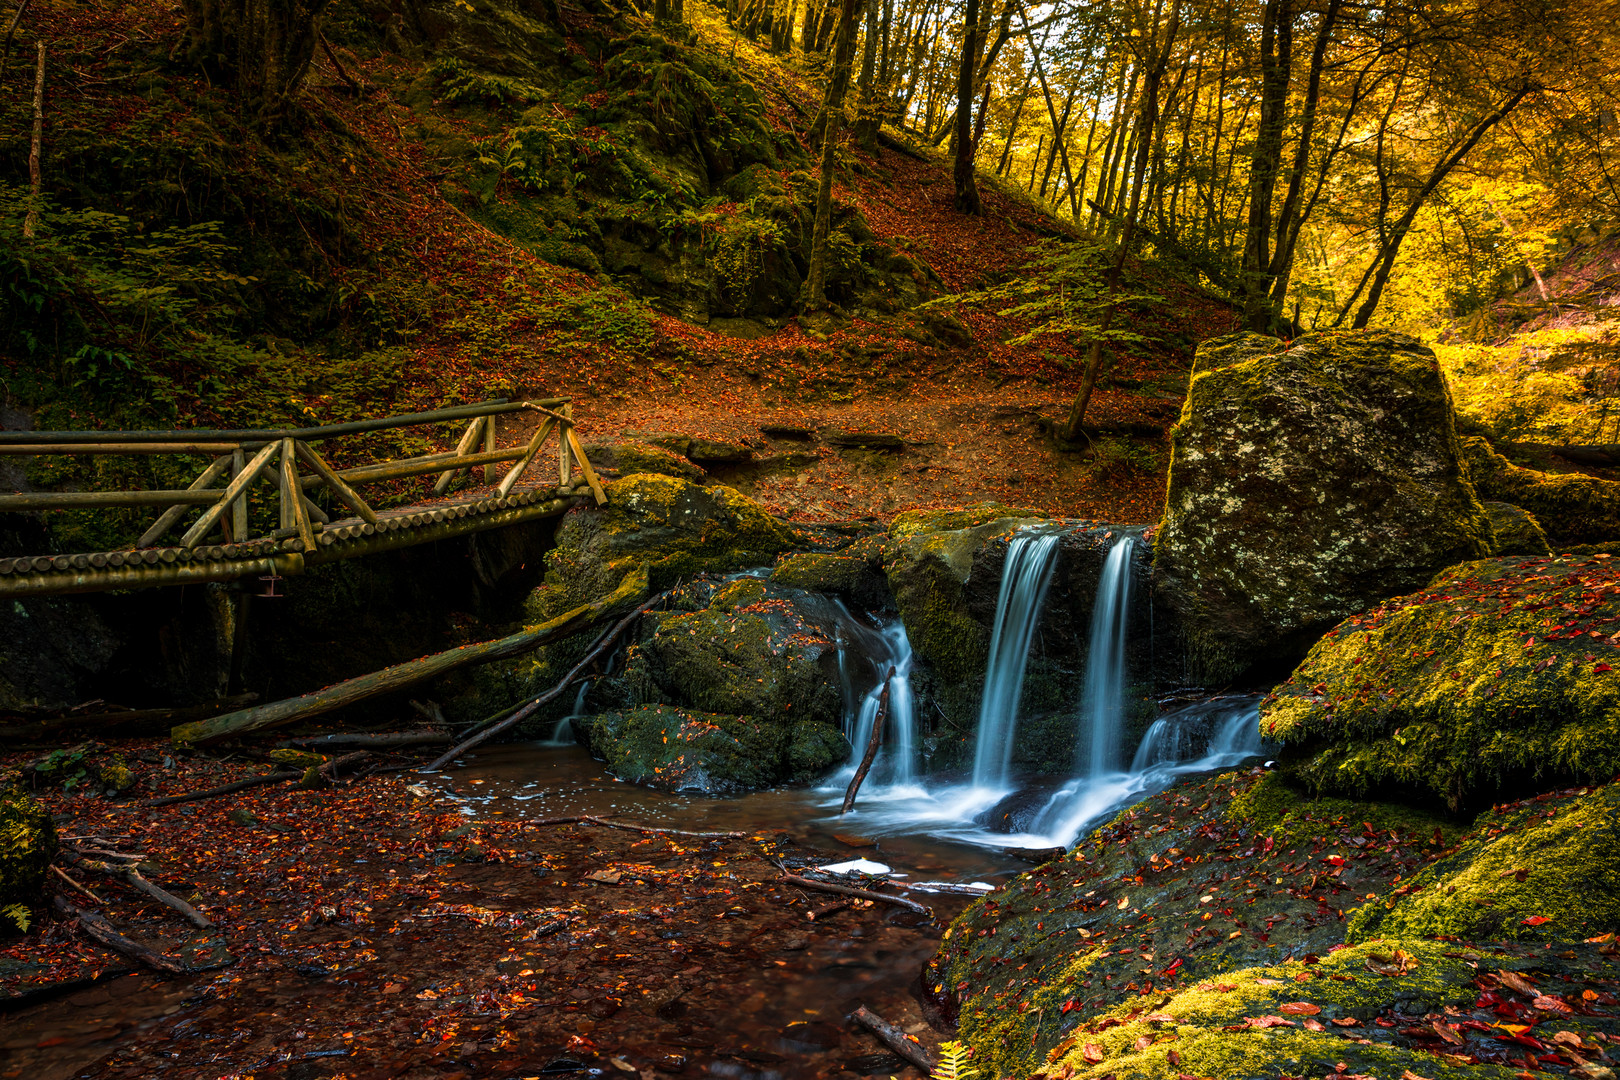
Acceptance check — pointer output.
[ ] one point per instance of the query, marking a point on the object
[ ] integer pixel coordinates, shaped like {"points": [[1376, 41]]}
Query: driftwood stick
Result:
{"points": [[59, 872], [589, 819], [872, 744], [555, 692], [102, 932], [859, 894], [894, 1039], [412, 672], [226, 789], [829, 909]]}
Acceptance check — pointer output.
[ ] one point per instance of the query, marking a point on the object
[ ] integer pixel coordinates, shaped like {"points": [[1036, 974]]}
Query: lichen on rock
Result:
{"points": [[1501, 670], [1307, 483]]}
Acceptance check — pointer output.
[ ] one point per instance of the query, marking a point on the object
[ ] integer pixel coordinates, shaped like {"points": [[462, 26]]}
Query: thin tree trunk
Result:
{"points": [[1276, 62], [967, 188], [1035, 165], [815, 294], [32, 218]]}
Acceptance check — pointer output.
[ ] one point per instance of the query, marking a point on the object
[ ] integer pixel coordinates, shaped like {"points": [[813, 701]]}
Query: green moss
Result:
{"points": [[909, 523], [640, 457], [683, 750], [856, 576], [1497, 672], [1515, 531], [298, 759], [27, 845], [1542, 870], [1292, 816], [1572, 508]]}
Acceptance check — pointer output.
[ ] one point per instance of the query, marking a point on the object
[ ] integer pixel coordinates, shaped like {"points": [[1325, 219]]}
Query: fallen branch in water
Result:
{"points": [[872, 745], [894, 1039], [412, 672], [58, 871], [329, 770], [596, 650], [131, 876], [829, 909], [277, 777], [588, 819], [101, 931], [860, 894]]}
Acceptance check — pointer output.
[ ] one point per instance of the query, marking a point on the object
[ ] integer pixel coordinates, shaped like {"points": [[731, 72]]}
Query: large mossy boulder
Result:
{"points": [[683, 750], [27, 844], [1515, 531], [1544, 870], [750, 652], [854, 573], [1572, 508], [1501, 671], [628, 457], [1307, 482], [1202, 933]]}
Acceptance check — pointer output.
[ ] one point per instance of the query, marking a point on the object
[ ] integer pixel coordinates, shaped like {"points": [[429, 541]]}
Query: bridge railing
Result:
{"points": [[246, 458]]}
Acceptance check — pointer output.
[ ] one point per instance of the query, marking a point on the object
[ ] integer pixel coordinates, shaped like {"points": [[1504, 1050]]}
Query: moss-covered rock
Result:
{"points": [[1500, 671], [751, 652], [1515, 531], [27, 844], [1306, 484], [675, 749], [1572, 508], [1202, 933], [640, 457], [1544, 869], [855, 573]]}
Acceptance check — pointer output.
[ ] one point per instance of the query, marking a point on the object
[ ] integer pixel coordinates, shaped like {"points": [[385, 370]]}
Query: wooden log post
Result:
{"points": [[585, 466], [412, 672], [235, 488], [529, 452], [293, 503], [173, 514], [565, 473], [464, 447], [339, 488], [489, 448], [239, 508]]}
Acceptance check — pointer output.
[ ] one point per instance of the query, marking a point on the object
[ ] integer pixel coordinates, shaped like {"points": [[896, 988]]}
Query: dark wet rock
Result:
{"points": [[1307, 482], [1515, 531], [718, 452], [625, 458], [1466, 689], [866, 440], [855, 572], [684, 750], [1572, 508], [788, 431], [1018, 811]]}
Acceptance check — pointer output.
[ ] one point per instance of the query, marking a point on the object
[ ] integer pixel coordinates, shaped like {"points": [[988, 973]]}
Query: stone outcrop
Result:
{"points": [[1307, 482], [1572, 508], [1500, 672], [675, 749], [1515, 531]]}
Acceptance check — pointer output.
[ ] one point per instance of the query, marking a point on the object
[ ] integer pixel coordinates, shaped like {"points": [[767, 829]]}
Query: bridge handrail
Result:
{"points": [[253, 438]]}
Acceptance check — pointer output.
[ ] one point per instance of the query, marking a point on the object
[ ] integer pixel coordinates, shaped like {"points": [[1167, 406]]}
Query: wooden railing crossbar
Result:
{"points": [[223, 487]]}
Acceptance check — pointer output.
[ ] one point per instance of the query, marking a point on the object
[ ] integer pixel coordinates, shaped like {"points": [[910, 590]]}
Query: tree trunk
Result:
{"points": [[967, 188], [869, 115], [1276, 60], [31, 219], [814, 297]]}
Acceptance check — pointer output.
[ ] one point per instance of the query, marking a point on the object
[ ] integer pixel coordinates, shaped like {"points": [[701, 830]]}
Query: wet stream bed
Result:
{"points": [[411, 926]]}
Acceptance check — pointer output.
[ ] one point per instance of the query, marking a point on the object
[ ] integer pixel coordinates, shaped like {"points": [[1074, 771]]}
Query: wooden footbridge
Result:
{"points": [[216, 544]]}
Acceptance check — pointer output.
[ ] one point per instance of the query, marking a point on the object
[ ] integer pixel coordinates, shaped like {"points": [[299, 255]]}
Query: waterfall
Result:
{"points": [[1024, 579], [887, 652], [563, 733], [1102, 703]]}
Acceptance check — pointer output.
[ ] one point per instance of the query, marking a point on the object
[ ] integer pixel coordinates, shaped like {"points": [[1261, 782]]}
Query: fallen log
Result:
{"points": [[373, 742], [402, 676], [224, 789], [589, 819], [124, 718], [859, 894], [101, 931], [872, 745], [328, 771], [590, 657], [895, 1039]]}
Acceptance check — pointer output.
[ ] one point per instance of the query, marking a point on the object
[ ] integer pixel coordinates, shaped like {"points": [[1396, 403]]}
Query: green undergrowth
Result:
{"points": [[1500, 670]]}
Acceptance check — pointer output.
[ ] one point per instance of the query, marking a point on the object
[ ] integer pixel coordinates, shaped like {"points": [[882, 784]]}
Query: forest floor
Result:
{"points": [[377, 930]]}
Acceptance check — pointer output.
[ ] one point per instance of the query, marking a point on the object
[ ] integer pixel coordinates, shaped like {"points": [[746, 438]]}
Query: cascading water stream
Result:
{"points": [[888, 651], [1024, 580], [1102, 703]]}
